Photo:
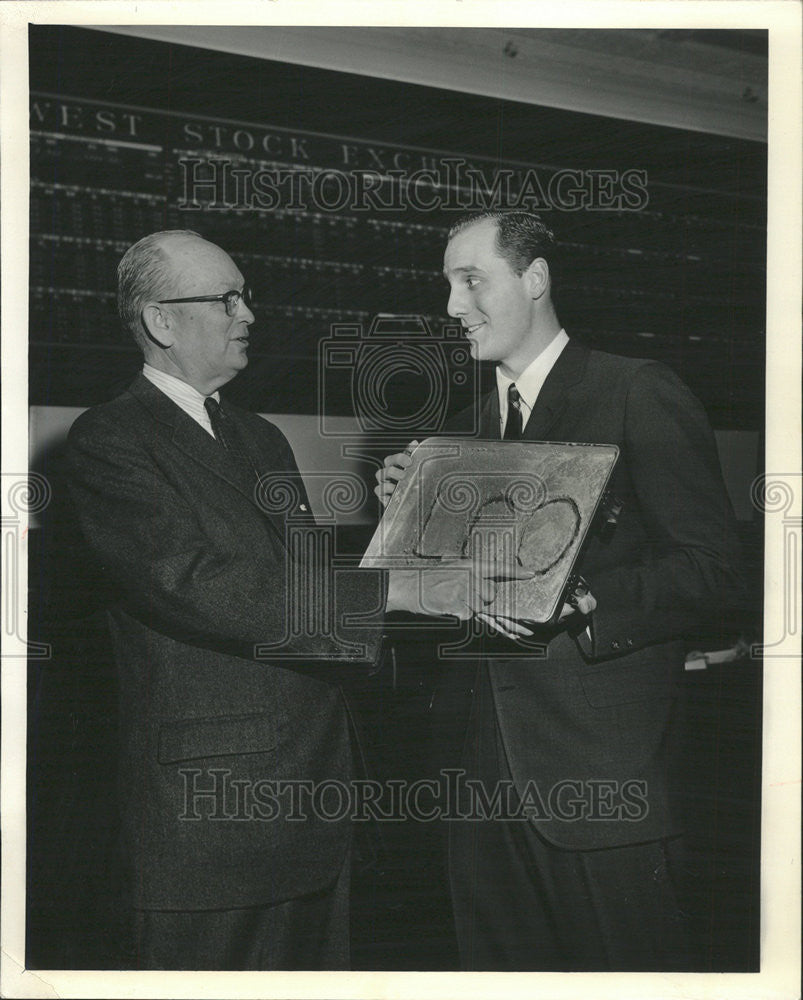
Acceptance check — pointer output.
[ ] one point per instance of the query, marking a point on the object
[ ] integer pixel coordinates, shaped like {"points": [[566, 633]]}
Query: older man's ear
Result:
{"points": [[156, 325]]}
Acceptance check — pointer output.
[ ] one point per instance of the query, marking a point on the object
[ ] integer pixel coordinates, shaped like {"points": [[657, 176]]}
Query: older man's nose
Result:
{"points": [[244, 312]]}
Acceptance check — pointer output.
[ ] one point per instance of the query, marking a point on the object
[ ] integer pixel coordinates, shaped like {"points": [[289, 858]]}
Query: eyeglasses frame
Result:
{"points": [[244, 295]]}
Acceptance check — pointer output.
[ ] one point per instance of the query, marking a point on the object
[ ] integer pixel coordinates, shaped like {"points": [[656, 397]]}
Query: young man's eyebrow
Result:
{"points": [[461, 270]]}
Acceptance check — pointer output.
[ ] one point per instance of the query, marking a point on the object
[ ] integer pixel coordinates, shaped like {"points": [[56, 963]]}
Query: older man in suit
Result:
{"points": [[226, 708], [587, 875]]}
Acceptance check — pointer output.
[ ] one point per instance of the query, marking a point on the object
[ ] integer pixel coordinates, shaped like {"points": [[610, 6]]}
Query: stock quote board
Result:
{"points": [[332, 196]]}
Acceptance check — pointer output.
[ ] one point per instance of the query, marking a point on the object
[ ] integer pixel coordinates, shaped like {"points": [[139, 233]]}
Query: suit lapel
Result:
{"points": [[195, 442], [489, 416], [265, 460], [201, 447], [554, 395]]}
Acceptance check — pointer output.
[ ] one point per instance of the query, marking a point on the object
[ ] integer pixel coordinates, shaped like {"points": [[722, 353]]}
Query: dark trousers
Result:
{"points": [[522, 904], [308, 933]]}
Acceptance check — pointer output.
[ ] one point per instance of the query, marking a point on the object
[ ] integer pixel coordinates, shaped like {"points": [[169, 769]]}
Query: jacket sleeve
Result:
{"points": [[200, 579], [687, 572]]}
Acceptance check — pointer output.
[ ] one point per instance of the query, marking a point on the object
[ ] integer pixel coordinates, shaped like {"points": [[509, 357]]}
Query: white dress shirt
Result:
{"points": [[190, 400], [531, 380]]}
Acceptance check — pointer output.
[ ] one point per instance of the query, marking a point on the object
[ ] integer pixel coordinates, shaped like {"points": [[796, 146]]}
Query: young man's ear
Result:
{"points": [[537, 275], [157, 326]]}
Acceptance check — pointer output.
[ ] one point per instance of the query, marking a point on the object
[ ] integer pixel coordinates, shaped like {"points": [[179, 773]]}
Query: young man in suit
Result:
{"points": [[223, 701], [588, 733]]}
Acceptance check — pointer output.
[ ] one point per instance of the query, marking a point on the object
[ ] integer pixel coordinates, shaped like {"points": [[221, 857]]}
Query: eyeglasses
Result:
{"points": [[231, 300]]}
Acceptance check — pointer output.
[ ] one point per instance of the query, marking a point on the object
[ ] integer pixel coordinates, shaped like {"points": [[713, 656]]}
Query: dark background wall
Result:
{"points": [[680, 279]]}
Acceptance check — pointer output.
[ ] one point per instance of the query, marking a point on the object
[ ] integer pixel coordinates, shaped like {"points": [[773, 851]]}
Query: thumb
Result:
{"points": [[503, 569]]}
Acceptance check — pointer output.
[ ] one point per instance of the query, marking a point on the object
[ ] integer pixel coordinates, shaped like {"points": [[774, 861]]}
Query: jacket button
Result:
{"points": [[614, 644]]}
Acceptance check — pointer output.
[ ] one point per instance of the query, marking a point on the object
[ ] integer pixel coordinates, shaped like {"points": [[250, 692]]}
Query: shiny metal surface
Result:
{"points": [[529, 500]]}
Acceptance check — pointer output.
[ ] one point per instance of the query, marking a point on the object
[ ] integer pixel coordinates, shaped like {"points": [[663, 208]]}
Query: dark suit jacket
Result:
{"points": [[206, 575], [608, 709]]}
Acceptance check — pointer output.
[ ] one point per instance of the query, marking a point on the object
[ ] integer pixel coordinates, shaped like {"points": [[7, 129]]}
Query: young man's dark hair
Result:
{"points": [[520, 238]]}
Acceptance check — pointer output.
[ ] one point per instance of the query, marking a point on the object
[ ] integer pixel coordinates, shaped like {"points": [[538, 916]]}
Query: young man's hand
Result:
{"points": [[392, 472]]}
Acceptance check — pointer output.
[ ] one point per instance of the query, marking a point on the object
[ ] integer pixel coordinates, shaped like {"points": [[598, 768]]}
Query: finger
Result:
{"points": [[402, 459], [476, 603], [411, 447], [501, 569], [586, 604], [494, 626], [383, 498], [392, 473], [388, 489], [505, 629], [491, 569], [513, 625]]}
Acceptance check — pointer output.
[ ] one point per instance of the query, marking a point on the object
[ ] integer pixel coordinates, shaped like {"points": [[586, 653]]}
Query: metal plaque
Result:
{"points": [[533, 501]]}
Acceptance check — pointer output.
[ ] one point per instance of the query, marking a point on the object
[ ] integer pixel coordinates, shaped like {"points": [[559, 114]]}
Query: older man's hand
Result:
{"points": [[459, 587]]}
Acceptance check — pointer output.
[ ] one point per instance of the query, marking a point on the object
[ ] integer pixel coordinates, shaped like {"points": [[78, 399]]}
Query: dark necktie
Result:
{"points": [[513, 422], [227, 434]]}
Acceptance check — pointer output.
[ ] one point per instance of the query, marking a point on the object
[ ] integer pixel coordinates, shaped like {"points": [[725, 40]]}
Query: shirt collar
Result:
{"points": [[532, 379], [175, 387]]}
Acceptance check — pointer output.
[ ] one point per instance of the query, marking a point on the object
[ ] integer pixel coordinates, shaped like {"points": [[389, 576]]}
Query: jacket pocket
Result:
{"points": [[221, 736], [626, 683]]}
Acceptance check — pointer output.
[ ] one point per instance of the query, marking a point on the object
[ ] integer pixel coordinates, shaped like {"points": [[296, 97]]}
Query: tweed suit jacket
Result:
{"points": [[222, 693], [607, 710]]}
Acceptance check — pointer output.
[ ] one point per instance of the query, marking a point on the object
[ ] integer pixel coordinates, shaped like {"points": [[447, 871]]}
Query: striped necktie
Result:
{"points": [[513, 422], [227, 434]]}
